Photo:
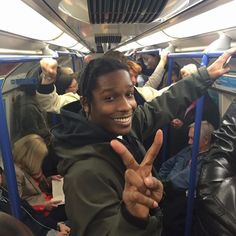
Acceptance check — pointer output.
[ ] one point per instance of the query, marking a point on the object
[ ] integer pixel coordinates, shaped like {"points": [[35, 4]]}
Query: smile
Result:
{"points": [[123, 120]]}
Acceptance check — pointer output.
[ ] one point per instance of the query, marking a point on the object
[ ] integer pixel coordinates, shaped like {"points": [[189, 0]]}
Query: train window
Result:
{"points": [[18, 72], [7, 68]]}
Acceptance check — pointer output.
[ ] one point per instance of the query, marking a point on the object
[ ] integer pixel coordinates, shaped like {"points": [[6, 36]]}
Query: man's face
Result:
{"points": [[203, 144], [113, 102]]}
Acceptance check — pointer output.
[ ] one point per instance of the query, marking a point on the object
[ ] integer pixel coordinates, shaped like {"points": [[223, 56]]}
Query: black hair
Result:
{"points": [[29, 89], [117, 55], [95, 69], [176, 69]]}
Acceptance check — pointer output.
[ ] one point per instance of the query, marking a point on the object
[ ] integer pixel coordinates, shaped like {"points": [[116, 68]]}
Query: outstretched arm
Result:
{"points": [[155, 79], [46, 95]]}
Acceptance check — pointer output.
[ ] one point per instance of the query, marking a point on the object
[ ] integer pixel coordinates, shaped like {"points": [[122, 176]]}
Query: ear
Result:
{"points": [[84, 103]]}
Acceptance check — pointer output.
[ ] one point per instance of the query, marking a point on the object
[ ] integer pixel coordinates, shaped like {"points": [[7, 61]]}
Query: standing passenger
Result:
{"points": [[102, 197]]}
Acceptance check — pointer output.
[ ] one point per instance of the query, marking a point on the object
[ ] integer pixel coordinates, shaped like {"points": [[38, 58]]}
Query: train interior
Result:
{"points": [[68, 30]]}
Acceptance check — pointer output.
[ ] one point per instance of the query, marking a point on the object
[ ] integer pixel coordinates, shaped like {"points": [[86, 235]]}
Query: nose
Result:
{"points": [[124, 104]]}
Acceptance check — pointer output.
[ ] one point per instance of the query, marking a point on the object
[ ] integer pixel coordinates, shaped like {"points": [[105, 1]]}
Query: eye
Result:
{"points": [[130, 95], [109, 99]]}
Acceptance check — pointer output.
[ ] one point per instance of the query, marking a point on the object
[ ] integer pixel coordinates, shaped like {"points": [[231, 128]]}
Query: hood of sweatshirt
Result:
{"points": [[76, 131], [75, 137]]}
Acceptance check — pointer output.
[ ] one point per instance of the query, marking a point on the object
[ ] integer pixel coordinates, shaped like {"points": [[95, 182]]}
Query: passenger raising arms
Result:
{"points": [[51, 101], [47, 96], [105, 196]]}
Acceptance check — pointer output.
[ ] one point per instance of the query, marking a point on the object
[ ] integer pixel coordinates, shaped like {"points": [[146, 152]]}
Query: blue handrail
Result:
{"points": [[19, 58], [193, 168]]}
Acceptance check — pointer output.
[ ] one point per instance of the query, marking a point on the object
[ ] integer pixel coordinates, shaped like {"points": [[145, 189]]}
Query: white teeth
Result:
{"points": [[122, 120]]}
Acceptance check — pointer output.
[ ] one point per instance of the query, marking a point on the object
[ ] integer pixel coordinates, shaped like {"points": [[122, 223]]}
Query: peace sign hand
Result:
{"points": [[142, 191]]}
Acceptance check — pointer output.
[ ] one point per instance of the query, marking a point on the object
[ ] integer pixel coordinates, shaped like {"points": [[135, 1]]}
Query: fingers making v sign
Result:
{"points": [[142, 191]]}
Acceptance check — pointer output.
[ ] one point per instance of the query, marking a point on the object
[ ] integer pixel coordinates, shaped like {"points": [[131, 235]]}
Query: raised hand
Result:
{"points": [[218, 68], [49, 70], [142, 191]]}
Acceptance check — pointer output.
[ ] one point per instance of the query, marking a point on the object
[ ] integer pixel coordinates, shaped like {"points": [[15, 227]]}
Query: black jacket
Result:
{"points": [[216, 205]]}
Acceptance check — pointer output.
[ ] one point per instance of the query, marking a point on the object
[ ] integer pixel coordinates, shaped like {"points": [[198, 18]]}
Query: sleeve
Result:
{"points": [[155, 79], [166, 167], [100, 214], [20, 180], [149, 93], [52, 102], [33, 121], [216, 187], [161, 110], [211, 112]]}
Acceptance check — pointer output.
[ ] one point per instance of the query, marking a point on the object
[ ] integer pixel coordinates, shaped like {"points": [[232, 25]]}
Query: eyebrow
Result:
{"points": [[112, 89]]}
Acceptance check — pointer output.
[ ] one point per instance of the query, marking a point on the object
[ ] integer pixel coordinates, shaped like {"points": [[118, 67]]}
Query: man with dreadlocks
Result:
{"points": [[109, 182]]}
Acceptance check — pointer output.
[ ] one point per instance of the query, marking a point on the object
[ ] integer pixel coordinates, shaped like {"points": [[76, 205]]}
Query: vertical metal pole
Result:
{"points": [[8, 164], [193, 169], [165, 129]]}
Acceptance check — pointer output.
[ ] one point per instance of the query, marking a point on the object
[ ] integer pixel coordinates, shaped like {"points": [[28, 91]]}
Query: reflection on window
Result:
{"points": [[7, 68]]}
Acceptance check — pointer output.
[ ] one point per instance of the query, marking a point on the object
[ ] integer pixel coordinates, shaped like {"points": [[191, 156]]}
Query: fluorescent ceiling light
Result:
{"points": [[158, 37], [129, 46], [64, 40], [84, 50], [77, 47], [80, 48], [14, 51], [18, 18], [216, 19]]}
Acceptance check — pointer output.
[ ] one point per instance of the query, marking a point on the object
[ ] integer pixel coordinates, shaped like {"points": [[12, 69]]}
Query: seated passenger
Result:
{"points": [[102, 197], [178, 131], [216, 201], [176, 170], [28, 154]]}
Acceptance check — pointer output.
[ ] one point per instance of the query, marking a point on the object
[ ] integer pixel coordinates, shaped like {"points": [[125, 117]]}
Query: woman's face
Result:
{"points": [[133, 77], [73, 87], [113, 102]]}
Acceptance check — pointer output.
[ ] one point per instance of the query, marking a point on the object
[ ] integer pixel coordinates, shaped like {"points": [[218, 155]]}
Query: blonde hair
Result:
{"points": [[66, 70], [29, 153]]}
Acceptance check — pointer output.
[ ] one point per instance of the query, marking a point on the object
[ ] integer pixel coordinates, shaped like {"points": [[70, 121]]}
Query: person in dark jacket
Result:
{"points": [[216, 208], [11, 226], [28, 117], [178, 129], [101, 196], [177, 169]]}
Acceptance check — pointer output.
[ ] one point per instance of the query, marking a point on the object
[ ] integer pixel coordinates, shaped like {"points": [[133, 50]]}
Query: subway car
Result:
{"points": [[51, 50]]}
